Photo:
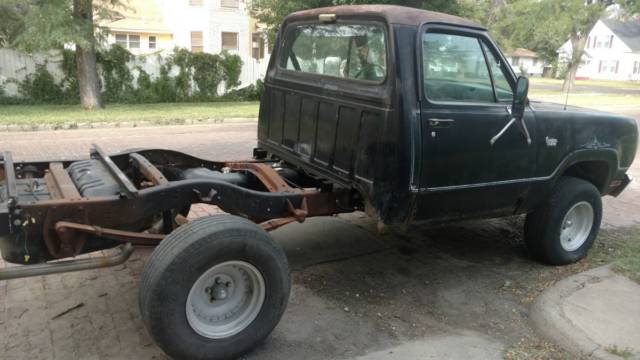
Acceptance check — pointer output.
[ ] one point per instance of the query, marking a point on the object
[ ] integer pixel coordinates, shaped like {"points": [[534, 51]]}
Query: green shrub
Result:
{"points": [[232, 67], [70, 87], [181, 58], [118, 81], [198, 79], [40, 87], [164, 87], [144, 91], [208, 73], [249, 93]]}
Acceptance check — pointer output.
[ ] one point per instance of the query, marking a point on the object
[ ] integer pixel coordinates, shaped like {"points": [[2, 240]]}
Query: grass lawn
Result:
{"points": [[632, 85], [173, 113], [618, 247], [592, 100], [628, 262]]}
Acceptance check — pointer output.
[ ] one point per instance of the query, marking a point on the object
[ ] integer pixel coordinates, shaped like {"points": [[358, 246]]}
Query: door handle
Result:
{"points": [[441, 123]]}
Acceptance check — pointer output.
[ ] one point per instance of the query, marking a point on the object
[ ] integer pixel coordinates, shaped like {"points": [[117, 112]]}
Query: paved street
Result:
{"points": [[460, 291]]}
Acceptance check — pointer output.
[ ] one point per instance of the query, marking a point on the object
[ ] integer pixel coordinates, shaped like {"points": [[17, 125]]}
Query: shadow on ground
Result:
{"points": [[454, 291]]}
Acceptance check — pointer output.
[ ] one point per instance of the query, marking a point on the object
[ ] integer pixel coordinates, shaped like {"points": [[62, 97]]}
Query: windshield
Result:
{"points": [[347, 51]]}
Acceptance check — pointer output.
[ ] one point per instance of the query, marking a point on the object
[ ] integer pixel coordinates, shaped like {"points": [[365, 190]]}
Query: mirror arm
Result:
{"points": [[504, 129], [525, 130]]}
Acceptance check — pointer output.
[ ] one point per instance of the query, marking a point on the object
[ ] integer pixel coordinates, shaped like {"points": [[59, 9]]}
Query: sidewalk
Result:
{"points": [[594, 314]]}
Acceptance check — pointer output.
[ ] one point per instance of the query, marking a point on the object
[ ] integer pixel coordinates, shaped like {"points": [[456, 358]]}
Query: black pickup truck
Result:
{"points": [[409, 115]]}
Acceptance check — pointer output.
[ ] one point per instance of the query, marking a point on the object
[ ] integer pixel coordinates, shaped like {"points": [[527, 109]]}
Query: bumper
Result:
{"points": [[617, 186]]}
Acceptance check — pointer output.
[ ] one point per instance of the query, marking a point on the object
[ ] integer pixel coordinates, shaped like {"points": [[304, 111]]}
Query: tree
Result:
{"points": [[52, 24], [545, 25], [11, 22], [272, 12]]}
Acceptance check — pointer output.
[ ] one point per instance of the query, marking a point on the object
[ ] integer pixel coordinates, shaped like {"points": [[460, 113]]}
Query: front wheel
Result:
{"points": [[214, 288], [564, 228]]}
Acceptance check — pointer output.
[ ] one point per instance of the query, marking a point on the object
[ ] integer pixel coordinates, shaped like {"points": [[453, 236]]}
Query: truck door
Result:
{"points": [[465, 101]]}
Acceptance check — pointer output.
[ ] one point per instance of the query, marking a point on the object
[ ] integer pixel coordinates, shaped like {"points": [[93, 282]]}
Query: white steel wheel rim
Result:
{"points": [[576, 226], [225, 299]]}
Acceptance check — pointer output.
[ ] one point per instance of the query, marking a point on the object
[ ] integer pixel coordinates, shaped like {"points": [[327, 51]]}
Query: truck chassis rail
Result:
{"points": [[56, 210]]}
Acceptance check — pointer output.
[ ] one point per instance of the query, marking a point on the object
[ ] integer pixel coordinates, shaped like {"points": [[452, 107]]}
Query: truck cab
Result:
{"points": [[417, 112]]}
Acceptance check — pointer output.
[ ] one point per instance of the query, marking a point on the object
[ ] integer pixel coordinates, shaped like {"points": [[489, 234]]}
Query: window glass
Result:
{"points": [[338, 50], [121, 39], [257, 46], [196, 42], [454, 69], [229, 41], [152, 42], [134, 41], [229, 4], [499, 72]]}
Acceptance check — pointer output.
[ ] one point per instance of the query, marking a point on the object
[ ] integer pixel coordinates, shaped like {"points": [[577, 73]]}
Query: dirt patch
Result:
{"points": [[474, 276]]}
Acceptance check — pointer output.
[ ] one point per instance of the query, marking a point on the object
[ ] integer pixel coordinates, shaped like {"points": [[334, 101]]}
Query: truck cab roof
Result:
{"points": [[397, 15]]}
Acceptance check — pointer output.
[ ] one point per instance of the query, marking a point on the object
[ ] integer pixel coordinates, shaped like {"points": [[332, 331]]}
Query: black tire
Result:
{"points": [[543, 227], [187, 253]]}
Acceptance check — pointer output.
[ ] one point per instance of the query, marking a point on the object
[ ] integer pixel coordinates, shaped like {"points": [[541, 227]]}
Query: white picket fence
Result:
{"points": [[15, 66]]}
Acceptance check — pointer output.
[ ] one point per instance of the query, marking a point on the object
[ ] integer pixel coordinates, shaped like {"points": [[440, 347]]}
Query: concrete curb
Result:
{"points": [[121, 124], [550, 321]]}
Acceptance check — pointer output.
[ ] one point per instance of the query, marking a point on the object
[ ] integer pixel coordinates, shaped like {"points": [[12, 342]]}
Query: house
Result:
{"points": [[212, 26], [612, 51], [140, 28], [525, 62]]}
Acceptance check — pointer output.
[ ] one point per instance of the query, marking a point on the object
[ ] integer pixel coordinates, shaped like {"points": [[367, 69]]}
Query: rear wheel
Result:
{"points": [[214, 288], [564, 228]]}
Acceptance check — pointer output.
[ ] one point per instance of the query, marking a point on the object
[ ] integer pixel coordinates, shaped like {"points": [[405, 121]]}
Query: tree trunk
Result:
{"points": [[88, 80], [578, 43]]}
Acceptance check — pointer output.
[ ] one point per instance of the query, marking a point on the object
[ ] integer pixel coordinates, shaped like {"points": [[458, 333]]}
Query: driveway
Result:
{"points": [[459, 291]]}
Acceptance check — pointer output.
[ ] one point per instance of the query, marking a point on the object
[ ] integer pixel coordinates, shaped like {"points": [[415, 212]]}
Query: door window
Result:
{"points": [[499, 72], [338, 50], [454, 69]]}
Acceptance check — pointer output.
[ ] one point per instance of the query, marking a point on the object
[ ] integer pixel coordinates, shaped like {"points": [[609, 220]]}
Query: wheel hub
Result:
{"points": [[576, 226], [225, 299], [220, 289]]}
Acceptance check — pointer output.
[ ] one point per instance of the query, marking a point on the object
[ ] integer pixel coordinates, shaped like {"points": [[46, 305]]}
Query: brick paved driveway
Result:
{"points": [[104, 322]]}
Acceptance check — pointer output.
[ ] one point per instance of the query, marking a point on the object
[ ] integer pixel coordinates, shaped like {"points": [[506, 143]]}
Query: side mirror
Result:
{"points": [[520, 97], [517, 111]]}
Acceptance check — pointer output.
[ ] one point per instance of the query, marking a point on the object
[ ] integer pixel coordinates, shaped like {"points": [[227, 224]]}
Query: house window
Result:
{"points": [[257, 44], [134, 41], [121, 39], [636, 67], [128, 41], [230, 41], [195, 2], [604, 43], [229, 4], [196, 42], [608, 66], [152, 42]]}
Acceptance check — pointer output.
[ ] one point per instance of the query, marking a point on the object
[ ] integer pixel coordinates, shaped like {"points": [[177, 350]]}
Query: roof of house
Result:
{"points": [[520, 52], [627, 31], [143, 16], [394, 14]]}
